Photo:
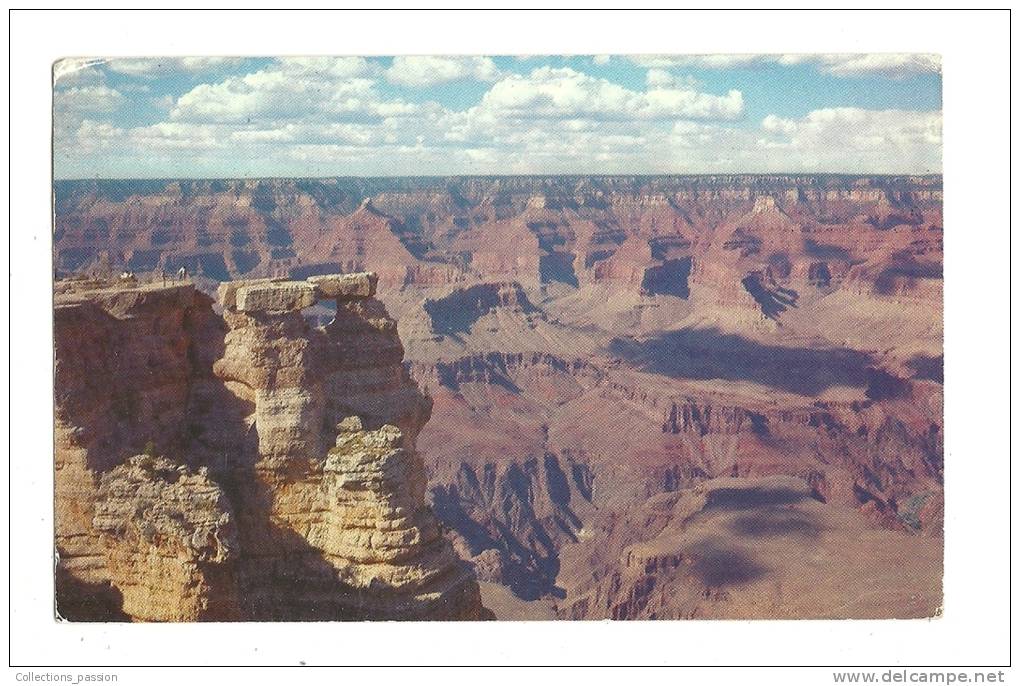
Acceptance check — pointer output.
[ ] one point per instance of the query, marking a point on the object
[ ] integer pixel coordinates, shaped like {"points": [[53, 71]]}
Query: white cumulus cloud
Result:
{"points": [[890, 65], [563, 93], [149, 67], [840, 138], [325, 67], [707, 61], [423, 71], [288, 92], [87, 99]]}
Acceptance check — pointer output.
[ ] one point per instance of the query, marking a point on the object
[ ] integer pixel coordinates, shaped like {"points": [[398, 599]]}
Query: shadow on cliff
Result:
{"points": [[704, 354], [81, 601], [277, 575], [772, 301], [488, 367], [670, 278], [527, 572], [557, 266], [498, 512], [458, 311], [904, 265]]}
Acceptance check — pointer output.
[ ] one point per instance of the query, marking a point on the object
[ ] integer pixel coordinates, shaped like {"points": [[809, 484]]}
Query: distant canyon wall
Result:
{"points": [[569, 231]]}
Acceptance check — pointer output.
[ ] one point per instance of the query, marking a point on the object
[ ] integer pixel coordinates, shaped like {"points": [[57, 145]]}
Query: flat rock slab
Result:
{"points": [[281, 296], [226, 293], [126, 301], [345, 286]]}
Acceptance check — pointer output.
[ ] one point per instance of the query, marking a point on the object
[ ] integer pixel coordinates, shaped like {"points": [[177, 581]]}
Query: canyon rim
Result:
{"points": [[512, 338]]}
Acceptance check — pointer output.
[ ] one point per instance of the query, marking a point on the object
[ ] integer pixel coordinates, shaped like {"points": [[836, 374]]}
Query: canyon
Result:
{"points": [[521, 397]]}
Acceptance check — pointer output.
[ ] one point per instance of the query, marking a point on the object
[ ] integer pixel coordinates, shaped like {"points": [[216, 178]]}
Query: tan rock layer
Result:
{"points": [[169, 539], [251, 518]]}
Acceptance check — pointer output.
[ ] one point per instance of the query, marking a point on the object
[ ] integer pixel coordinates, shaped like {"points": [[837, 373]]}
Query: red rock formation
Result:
{"points": [[533, 231]]}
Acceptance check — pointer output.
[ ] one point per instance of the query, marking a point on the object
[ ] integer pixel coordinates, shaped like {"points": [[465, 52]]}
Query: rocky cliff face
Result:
{"points": [[243, 465], [169, 540]]}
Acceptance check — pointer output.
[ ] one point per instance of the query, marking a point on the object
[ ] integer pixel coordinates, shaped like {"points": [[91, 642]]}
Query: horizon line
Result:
{"points": [[493, 176]]}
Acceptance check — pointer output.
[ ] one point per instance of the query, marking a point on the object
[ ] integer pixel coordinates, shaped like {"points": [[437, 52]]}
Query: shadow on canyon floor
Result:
{"points": [[927, 367], [704, 354], [776, 522], [718, 565], [736, 499]]}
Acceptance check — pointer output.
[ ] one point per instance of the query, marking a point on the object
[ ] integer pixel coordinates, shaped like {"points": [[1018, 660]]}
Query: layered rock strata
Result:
{"points": [[240, 508], [379, 533], [632, 234], [169, 539]]}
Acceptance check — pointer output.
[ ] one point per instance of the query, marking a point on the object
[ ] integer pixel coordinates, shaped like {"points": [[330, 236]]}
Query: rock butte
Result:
{"points": [[243, 466]]}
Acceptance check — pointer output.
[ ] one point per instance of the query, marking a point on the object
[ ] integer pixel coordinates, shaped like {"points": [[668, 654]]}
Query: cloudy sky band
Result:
{"points": [[481, 115]]}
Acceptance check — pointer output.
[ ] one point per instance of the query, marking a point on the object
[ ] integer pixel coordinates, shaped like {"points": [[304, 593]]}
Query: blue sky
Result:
{"points": [[234, 117]]}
